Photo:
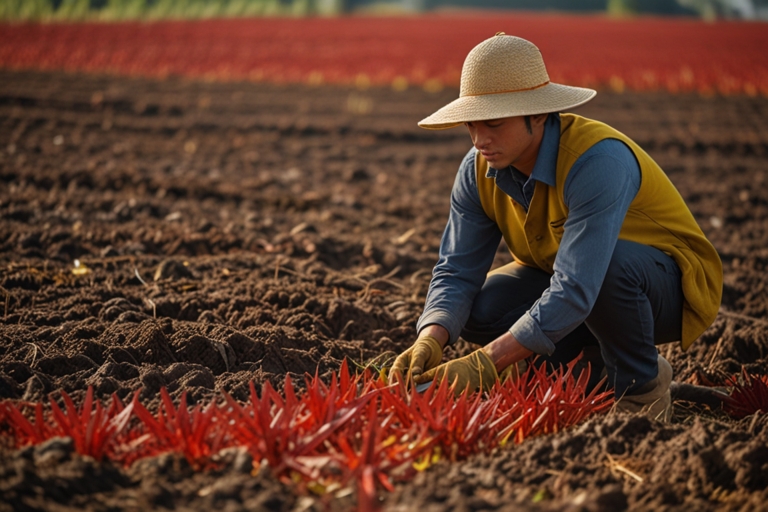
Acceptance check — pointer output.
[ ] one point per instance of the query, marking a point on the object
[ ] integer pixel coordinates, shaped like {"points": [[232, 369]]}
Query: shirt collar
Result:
{"points": [[545, 169]]}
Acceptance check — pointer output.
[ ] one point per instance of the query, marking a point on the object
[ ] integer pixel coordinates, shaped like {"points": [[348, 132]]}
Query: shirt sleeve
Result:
{"points": [[598, 191], [467, 250]]}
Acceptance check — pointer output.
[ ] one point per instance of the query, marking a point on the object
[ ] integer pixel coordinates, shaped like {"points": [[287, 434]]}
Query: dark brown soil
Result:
{"points": [[235, 232]]}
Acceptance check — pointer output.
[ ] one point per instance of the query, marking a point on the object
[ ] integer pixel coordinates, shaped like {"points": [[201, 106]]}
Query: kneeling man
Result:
{"points": [[608, 259]]}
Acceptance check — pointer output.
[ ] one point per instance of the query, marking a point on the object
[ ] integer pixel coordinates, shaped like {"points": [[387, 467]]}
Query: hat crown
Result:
{"points": [[502, 64]]}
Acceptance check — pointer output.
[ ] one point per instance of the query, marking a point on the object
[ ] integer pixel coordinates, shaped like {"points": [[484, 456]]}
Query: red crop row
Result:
{"points": [[354, 431], [723, 57]]}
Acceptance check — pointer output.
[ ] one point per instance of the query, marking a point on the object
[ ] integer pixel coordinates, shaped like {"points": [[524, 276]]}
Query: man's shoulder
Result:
{"points": [[466, 178], [468, 166], [469, 158], [579, 126], [578, 134]]}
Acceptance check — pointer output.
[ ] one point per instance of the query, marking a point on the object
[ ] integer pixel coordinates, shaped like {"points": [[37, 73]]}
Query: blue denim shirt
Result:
{"points": [[599, 188]]}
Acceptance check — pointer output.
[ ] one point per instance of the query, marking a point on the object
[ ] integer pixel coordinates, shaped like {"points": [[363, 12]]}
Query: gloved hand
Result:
{"points": [[475, 371], [425, 354]]}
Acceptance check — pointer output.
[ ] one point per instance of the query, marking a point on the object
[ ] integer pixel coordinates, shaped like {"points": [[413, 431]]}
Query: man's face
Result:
{"points": [[506, 141]]}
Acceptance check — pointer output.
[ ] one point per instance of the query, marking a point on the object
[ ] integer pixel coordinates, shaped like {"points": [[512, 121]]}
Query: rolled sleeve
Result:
{"points": [[446, 319], [528, 333]]}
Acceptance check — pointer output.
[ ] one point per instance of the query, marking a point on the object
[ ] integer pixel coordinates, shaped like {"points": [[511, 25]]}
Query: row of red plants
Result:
{"points": [[677, 55], [354, 432]]}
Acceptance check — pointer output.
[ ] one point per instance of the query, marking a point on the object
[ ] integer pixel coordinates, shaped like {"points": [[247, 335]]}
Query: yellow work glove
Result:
{"points": [[425, 354], [475, 371]]}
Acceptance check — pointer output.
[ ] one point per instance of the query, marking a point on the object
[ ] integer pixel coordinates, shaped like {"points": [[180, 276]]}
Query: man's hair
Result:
{"points": [[528, 126]]}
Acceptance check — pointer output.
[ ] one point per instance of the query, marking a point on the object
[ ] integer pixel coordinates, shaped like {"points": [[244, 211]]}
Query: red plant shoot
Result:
{"points": [[93, 429], [749, 395], [197, 434]]}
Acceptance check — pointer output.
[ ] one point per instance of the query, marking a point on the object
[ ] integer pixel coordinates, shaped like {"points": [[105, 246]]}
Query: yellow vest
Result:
{"points": [[657, 216]]}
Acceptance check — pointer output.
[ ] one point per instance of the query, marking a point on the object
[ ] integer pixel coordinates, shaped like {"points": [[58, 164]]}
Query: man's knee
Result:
{"points": [[626, 272], [642, 293]]}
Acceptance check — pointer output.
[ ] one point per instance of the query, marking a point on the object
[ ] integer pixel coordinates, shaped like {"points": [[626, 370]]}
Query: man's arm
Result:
{"points": [[467, 250], [506, 350]]}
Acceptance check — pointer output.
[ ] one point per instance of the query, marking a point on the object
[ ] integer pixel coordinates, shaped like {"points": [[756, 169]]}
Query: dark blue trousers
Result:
{"points": [[639, 306]]}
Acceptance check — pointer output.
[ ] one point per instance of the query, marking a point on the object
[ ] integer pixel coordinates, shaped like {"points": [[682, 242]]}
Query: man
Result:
{"points": [[608, 259]]}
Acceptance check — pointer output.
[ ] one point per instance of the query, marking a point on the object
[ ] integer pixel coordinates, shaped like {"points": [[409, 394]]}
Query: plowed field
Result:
{"points": [[200, 236]]}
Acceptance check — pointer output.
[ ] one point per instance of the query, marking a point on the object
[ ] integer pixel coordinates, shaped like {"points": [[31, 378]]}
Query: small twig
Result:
{"points": [[396, 304], [34, 354], [368, 291], [106, 261], [136, 272], [344, 329], [128, 353], [154, 307], [417, 274], [223, 352], [727, 332], [668, 351], [400, 240], [417, 289], [296, 273], [391, 273], [716, 352], [289, 271], [382, 280], [613, 464], [628, 472], [378, 363]]}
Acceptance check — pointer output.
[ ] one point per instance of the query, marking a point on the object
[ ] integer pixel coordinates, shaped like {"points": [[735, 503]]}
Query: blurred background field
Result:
{"points": [[51, 10], [617, 53]]}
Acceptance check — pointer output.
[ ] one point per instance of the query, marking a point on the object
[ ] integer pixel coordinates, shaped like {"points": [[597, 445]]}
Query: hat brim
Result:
{"points": [[549, 98]]}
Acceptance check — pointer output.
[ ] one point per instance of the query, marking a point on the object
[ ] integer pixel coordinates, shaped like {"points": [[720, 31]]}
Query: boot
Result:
{"points": [[656, 403]]}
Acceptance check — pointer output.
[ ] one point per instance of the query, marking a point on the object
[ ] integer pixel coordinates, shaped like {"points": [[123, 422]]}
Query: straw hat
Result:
{"points": [[505, 76]]}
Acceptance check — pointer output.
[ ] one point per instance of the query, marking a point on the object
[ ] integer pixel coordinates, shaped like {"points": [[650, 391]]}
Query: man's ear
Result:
{"points": [[539, 119]]}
